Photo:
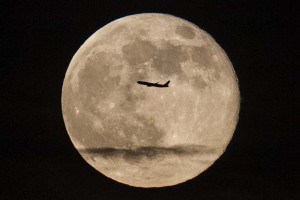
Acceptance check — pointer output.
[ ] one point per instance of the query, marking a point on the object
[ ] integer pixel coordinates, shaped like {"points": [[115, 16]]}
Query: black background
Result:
{"points": [[38, 40]]}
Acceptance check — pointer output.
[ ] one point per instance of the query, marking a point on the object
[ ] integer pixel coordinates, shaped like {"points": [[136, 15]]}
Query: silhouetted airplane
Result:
{"points": [[154, 84]]}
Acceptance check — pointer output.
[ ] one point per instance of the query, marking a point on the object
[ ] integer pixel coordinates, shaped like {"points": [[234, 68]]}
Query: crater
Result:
{"points": [[185, 32]]}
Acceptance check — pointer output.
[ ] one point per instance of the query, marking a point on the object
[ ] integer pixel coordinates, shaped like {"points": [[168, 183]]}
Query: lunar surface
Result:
{"points": [[149, 136]]}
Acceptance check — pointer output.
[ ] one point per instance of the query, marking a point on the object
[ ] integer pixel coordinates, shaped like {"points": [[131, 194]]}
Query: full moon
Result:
{"points": [[150, 136]]}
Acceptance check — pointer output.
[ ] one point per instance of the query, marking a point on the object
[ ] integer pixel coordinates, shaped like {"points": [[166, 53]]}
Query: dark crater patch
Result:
{"points": [[92, 158], [198, 82], [167, 60], [202, 55], [94, 80], [185, 32], [117, 31], [150, 152], [138, 51]]}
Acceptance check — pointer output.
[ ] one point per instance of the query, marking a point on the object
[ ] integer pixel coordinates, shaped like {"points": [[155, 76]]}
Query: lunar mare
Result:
{"points": [[147, 136]]}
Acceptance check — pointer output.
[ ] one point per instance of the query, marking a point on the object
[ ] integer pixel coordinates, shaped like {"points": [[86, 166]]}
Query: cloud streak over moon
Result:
{"points": [[148, 152]]}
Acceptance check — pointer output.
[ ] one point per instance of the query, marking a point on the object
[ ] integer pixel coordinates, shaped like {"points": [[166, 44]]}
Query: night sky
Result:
{"points": [[38, 40]]}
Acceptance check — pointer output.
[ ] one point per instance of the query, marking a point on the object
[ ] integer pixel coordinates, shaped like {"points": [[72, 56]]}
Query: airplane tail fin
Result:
{"points": [[167, 83]]}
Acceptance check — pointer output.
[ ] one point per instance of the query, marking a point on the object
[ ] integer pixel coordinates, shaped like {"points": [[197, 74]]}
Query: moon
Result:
{"points": [[149, 136]]}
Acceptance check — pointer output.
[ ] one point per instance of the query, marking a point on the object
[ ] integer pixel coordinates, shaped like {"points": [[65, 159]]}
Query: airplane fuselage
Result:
{"points": [[153, 84]]}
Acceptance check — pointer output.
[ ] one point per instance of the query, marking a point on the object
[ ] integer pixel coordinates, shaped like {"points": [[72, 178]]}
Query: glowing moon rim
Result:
{"points": [[150, 137]]}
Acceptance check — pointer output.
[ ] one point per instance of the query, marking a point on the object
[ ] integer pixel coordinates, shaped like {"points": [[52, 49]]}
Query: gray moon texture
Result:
{"points": [[148, 136]]}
